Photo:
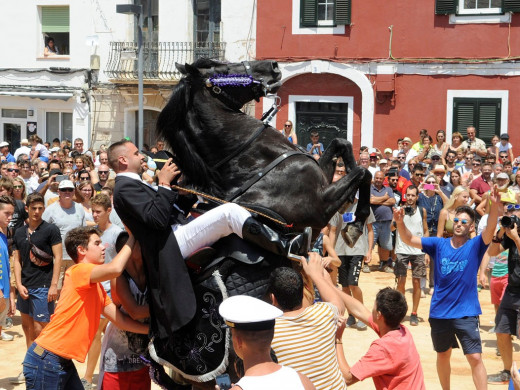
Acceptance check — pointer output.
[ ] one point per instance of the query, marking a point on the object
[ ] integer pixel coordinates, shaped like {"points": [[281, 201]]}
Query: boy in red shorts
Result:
{"points": [[48, 362]]}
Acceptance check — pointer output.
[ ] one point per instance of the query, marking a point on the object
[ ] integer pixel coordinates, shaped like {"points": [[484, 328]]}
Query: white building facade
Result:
{"points": [[89, 89]]}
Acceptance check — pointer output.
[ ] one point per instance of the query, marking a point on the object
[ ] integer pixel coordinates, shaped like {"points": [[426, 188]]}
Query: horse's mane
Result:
{"points": [[173, 124]]}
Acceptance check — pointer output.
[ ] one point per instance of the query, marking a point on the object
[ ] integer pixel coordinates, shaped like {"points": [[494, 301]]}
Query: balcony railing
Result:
{"points": [[159, 58]]}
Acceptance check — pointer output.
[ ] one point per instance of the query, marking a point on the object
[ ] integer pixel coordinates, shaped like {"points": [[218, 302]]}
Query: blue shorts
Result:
{"points": [[36, 305], [445, 333], [383, 234]]}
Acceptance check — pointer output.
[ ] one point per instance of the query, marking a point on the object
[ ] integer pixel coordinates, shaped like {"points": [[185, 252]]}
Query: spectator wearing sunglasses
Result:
{"points": [[12, 170], [506, 320], [455, 308], [289, 133], [504, 148], [103, 172]]}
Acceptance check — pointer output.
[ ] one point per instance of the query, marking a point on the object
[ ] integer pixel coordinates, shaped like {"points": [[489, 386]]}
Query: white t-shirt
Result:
{"points": [[65, 219], [503, 148]]}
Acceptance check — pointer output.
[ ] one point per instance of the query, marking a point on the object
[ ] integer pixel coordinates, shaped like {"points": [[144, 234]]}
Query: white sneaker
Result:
{"points": [[7, 337], [18, 380]]}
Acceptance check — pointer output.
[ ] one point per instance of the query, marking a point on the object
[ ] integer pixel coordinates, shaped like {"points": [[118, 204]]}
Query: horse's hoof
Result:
{"points": [[351, 233]]}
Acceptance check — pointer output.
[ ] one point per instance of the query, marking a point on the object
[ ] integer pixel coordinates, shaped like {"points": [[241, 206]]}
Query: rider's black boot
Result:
{"points": [[265, 237]]}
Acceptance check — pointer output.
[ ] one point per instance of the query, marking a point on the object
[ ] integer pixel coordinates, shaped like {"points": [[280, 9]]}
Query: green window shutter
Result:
{"points": [[463, 115], [343, 12], [55, 19], [510, 5], [445, 7], [484, 114], [308, 13], [488, 119]]}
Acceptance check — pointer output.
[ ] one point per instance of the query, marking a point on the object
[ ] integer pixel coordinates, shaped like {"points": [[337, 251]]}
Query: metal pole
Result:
{"points": [[140, 128]]}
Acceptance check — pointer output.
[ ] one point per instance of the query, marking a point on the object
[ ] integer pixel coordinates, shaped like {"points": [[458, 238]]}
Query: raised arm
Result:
{"points": [[113, 269], [404, 233], [495, 210]]}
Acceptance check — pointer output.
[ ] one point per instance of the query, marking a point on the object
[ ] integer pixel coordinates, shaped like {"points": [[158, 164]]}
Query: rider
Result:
{"points": [[147, 212]]}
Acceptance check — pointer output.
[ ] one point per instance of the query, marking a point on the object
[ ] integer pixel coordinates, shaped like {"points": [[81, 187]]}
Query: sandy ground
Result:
{"points": [[355, 342]]}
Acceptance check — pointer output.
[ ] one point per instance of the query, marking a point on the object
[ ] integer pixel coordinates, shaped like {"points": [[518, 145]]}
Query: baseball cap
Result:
{"points": [[2, 144], [383, 161], [25, 141], [503, 175], [504, 136], [388, 150], [407, 139], [66, 184], [373, 154]]}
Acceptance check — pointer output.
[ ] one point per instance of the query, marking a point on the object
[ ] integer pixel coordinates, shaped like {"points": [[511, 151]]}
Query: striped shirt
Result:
{"points": [[306, 343]]}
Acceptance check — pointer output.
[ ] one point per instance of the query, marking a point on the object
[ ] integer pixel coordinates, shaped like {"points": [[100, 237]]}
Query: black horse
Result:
{"points": [[232, 156]]}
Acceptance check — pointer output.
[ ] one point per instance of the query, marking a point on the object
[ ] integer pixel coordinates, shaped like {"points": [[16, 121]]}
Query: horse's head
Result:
{"points": [[237, 83]]}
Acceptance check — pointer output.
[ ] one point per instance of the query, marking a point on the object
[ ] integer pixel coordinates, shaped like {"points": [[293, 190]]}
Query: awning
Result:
{"points": [[40, 95]]}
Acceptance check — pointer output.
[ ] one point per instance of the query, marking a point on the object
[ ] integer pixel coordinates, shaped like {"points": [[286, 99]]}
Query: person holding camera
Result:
{"points": [[506, 320], [415, 219], [455, 307]]}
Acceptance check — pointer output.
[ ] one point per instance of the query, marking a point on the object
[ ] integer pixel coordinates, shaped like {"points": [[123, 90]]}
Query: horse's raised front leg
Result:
{"points": [[336, 195], [339, 147], [353, 231]]}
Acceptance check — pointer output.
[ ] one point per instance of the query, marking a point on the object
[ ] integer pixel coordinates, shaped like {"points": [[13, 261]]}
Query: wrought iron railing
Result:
{"points": [[159, 58]]}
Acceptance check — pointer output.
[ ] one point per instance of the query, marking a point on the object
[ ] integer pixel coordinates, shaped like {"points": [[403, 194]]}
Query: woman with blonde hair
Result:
{"points": [[456, 140], [19, 192], [289, 133], [459, 197]]}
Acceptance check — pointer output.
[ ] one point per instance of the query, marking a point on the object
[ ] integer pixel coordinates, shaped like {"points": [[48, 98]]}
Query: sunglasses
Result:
{"points": [[69, 162], [84, 178], [476, 165], [462, 221], [13, 170], [419, 174], [431, 182], [401, 158], [17, 187], [287, 125], [66, 189], [513, 207], [103, 172]]}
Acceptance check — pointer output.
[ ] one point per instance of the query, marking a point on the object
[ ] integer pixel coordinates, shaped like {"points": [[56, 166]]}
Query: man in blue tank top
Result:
{"points": [[455, 309]]}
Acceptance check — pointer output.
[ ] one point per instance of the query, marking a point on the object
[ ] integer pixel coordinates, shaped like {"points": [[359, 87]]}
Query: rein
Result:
{"points": [[222, 201]]}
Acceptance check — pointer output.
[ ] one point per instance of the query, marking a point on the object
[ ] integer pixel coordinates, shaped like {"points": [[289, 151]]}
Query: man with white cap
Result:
{"points": [[23, 149], [66, 215], [4, 150], [252, 329]]}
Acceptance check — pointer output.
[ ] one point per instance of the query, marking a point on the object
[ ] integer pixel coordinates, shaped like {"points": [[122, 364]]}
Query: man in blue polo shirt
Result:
{"points": [[455, 309]]}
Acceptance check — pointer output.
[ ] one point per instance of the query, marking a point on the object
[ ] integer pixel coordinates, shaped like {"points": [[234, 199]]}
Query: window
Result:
{"points": [[472, 7], [13, 113], [55, 25], [58, 125], [206, 28], [324, 13], [484, 114], [475, 7]]}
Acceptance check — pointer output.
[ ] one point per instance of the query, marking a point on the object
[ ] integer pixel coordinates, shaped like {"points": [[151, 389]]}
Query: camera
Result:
{"points": [[408, 210], [509, 221]]}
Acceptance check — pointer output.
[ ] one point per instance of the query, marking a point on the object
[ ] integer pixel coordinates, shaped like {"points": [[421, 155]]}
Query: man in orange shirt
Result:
{"points": [[48, 362]]}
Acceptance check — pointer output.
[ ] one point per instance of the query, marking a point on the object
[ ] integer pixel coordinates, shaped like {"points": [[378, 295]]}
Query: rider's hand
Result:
{"points": [[169, 172]]}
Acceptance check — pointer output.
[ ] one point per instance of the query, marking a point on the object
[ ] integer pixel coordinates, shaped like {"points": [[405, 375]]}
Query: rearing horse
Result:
{"points": [[230, 155]]}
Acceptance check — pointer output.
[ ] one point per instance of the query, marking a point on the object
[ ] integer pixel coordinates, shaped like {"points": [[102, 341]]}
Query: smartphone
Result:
{"points": [[428, 187], [60, 178], [223, 381], [292, 257]]}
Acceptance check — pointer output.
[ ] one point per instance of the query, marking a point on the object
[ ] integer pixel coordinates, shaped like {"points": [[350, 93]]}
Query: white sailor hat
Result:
{"points": [[248, 313]]}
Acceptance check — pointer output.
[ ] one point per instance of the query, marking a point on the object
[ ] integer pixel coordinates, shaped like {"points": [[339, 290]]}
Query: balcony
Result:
{"points": [[159, 59]]}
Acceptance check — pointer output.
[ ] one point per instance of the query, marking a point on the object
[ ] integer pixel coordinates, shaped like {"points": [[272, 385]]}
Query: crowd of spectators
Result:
{"points": [[431, 188]]}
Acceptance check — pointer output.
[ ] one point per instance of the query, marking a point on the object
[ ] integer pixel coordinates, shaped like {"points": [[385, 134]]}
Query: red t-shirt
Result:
{"points": [[480, 185], [76, 318], [392, 361]]}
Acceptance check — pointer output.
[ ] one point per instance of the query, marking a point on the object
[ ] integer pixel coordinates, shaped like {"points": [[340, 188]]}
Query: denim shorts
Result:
{"points": [[445, 333], [36, 305], [44, 370], [383, 234]]}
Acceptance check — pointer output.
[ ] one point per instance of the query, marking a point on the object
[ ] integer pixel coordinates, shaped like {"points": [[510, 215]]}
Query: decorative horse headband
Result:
{"points": [[231, 80]]}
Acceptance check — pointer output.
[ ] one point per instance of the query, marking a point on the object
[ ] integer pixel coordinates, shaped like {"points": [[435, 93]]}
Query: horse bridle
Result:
{"points": [[216, 82]]}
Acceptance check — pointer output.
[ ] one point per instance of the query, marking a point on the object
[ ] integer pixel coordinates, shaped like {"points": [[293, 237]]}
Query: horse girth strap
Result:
{"points": [[222, 201], [261, 174], [242, 147]]}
